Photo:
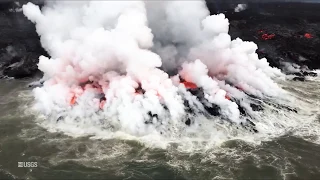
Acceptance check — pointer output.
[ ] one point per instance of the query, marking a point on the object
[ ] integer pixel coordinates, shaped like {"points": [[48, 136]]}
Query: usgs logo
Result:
{"points": [[28, 164]]}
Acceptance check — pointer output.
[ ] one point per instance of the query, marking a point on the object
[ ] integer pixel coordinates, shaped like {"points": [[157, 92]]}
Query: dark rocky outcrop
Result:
{"points": [[20, 46], [284, 32], [22, 66], [299, 78], [294, 29]]}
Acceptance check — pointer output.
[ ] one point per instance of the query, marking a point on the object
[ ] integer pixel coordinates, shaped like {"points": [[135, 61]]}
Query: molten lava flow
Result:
{"points": [[227, 97], [73, 100], [189, 85], [267, 36], [308, 35]]}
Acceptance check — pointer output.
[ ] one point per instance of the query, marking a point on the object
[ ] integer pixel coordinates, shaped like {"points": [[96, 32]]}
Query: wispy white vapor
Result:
{"points": [[240, 7]]}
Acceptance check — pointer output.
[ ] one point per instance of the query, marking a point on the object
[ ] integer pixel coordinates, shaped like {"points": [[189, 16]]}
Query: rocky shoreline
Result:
{"points": [[286, 33], [20, 44]]}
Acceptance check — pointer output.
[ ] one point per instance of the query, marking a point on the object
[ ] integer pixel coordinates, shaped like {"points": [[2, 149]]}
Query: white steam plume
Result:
{"points": [[120, 46]]}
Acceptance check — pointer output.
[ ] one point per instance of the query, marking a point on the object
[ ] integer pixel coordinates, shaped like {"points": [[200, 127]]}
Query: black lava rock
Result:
{"points": [[20, 46], [299, 78], [313, 74], [249, 125], [188, 122], [296, 30], [22, 67], [213, 109], [60, 118], [294, 39], [256, 107]]}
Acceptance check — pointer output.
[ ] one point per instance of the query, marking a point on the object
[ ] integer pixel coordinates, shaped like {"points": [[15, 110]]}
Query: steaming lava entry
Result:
{"points": [[109, 70], [159, 90]]}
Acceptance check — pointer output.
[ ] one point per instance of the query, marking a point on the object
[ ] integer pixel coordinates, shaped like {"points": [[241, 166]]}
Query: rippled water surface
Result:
{"points": [[294, 154]]}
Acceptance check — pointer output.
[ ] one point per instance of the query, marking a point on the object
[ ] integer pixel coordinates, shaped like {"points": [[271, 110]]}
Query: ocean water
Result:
{"points": [[288, 148]]}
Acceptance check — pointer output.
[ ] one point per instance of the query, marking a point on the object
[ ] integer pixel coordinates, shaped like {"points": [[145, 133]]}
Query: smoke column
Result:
{"points": [[122, 46]]}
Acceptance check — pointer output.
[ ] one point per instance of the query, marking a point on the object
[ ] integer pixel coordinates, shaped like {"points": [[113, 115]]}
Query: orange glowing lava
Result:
{"points": [[308, 35], [189, 85], [73, 99]]}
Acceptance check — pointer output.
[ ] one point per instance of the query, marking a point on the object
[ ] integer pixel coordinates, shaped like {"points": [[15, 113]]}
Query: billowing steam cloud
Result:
{"points": [[110, 64]]}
